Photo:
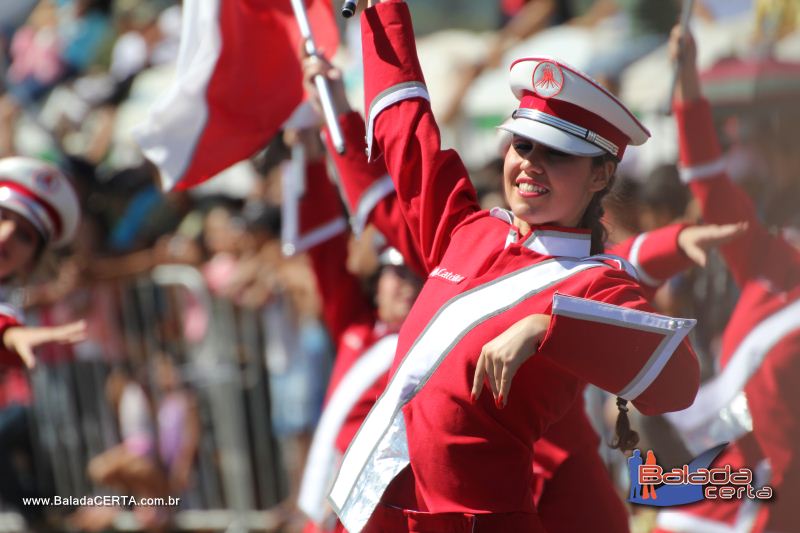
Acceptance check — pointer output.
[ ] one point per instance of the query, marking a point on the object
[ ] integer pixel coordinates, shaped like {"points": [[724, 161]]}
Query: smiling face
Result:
{"points": [[544, 186], [19, 241]]}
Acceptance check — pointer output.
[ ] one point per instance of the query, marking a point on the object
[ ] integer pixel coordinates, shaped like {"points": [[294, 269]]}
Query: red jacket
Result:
{"points": [[9, 317], [760, 353], [364, 346], [655, 255], [484, 276], [765, 266]]}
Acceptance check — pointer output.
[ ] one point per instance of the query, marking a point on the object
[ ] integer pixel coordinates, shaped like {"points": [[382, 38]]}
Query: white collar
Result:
{"points": [[548, 240]]}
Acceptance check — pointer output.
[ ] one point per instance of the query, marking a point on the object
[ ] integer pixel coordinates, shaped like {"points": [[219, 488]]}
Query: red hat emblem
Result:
{"points": [[46, 181], [548, 79]]}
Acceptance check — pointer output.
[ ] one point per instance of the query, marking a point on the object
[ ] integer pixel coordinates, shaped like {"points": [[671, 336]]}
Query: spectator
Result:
{"points": [[662, 197]]}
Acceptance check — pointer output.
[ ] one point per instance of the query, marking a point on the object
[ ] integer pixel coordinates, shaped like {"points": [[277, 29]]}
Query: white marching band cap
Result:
{"points": [[563, 108], [43, 195]]}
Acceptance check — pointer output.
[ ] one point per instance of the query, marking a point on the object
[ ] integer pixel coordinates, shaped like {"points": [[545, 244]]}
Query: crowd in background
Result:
{"points": [[79, 74]]}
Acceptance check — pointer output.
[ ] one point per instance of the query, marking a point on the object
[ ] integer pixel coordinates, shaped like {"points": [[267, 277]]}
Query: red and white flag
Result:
{"points": [[238, 78]]}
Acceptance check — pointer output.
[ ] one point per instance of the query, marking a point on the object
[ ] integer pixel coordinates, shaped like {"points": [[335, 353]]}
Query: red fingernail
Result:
{"points": [[472, 397], [500, 399], [497, 403]]}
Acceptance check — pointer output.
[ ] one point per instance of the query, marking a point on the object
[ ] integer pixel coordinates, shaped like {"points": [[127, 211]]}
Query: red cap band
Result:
{"points": [[578, 116], [49, 209]]}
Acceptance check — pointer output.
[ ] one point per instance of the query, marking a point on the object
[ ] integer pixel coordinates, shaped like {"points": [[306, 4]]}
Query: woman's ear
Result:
{"points": [[602, 174]]}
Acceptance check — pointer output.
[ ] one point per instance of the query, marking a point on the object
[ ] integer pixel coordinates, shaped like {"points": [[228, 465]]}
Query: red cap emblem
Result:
{"points": [[46, 181], [548, 80]]}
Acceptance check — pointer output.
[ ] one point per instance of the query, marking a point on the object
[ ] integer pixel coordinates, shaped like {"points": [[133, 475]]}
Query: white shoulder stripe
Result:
{"points": [[623, 264], [371, 197], [719, 392], [644, 277], [706, 170], [10, 310], [392, 95], [673, 329], [317, 236], [503, 214], [322, 458]]}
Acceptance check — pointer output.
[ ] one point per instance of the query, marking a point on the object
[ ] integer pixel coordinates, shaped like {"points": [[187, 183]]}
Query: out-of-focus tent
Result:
{"points": [[751, 85]]}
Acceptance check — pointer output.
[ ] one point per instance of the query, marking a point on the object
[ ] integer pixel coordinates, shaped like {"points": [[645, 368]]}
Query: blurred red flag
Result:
{"points": [[238, 78]]}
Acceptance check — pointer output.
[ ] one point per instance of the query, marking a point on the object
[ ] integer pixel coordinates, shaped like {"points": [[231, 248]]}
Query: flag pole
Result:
{"points": [[322, 84], [686, 15], [293, 181]]}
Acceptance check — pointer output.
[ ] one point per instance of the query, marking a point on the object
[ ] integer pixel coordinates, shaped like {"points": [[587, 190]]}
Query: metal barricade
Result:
{"points": [[237, 473]]}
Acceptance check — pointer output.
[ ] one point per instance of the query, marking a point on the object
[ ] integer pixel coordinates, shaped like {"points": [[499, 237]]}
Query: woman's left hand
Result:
{"points": [[318, 65], [23, 340], [695, 241], [502, 356]]}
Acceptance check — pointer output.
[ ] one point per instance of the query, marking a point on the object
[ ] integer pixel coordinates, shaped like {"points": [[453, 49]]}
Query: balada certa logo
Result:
{"points": [[653, 485]]}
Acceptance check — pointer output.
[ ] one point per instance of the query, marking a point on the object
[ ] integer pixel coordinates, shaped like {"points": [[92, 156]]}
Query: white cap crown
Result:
{"points": [[564, 108], [43, 195]]}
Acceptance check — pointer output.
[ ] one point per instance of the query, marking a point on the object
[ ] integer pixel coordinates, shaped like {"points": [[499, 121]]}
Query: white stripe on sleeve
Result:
{"points": [[704, 171], [673, 329], [392, 95]]}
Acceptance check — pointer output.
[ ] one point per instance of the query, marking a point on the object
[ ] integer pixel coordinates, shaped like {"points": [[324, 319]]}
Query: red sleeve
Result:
{"points": [[612, 338], [655, 255], [432, 184], [8, 357], [757, 253], [343, 301], [370, 193]]}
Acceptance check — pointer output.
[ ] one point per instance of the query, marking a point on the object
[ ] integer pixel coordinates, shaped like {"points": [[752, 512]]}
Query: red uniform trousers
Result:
{"points": [[581, 493], [571, 475]]}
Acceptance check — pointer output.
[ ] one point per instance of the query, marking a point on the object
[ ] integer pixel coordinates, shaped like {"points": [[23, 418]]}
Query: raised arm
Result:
{"points": [[758, 253], [656, 255], [343, 301], [370, 194], [19, 341], [432, 184], [665, 252]]}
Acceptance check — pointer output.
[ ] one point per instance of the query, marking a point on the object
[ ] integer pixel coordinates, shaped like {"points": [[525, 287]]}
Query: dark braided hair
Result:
{"points": [[592, 217], [626, 438]]}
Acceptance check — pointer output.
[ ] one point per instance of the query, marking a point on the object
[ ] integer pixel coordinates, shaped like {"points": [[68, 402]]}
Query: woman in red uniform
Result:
{"points": [[363, 331], [38, 210], [566, 463], [487, 274], [761, 345], [433, 455]]}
